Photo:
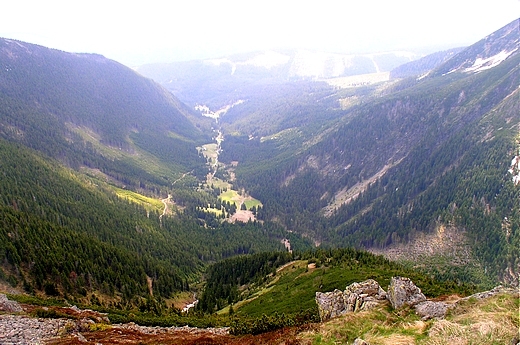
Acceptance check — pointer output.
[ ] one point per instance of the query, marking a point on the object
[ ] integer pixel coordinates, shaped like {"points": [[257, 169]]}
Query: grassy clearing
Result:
{"points": [[178, 136], [488, 321], [92, 137], [295, 289], [218, 183], [230, 196], [250, 203], [180, 299], [359, 80], [140, 158], [252, 297], [148, 203], [210, 152], [286, 133], [213, 210]]}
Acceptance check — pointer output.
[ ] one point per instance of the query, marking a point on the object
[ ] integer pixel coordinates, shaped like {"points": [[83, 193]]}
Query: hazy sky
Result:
{"points": [[138, 32]]}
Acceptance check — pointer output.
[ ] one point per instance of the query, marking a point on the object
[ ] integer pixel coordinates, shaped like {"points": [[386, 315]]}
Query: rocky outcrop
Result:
{"points": [[496, 290], [8, 305], [368, 294], [331, 304], [357, 296], [156, 330], [402, 291]]}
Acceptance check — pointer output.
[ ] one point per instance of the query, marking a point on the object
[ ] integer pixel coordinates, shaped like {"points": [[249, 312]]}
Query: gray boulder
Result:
{"points": [[402, 291], [331, 304], [357, 296], [430, 309]]}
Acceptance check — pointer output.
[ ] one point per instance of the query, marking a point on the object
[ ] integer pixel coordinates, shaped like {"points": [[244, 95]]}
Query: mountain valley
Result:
{"points": [[243, 185]]}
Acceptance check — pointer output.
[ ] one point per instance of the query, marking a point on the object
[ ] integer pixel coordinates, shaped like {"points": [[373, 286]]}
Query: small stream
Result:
{"points": [[191, 305]]}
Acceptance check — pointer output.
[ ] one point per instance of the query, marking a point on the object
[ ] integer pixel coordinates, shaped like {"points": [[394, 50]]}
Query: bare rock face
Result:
{"points": [[8, 305], [357, 296], [402, 291], [331, 304]]}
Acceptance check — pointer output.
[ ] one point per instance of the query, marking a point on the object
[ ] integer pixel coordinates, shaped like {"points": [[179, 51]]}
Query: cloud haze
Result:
{"points": [[137, 32]]}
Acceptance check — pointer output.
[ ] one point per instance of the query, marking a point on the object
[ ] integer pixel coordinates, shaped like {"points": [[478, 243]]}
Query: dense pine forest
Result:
{"points": [[49, 212]]}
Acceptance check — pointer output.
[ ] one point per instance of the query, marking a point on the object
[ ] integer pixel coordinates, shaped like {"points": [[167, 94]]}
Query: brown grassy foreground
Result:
{"points": [[489, 321], [494, 320], [115, 335]]}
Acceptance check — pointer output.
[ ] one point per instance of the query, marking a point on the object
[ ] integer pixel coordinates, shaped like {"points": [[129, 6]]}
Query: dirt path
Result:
{"points": [[286, 265], [165, 202], [168, 200], [180, 178]]}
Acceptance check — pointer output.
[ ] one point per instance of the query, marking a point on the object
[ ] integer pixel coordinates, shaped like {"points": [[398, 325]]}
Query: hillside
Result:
{"points": [[420, 67], [432, 152], [276, 309], [87, 110], [101, 173]]}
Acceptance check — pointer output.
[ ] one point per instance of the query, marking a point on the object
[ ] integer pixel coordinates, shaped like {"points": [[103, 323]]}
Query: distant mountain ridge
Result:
{"points": [[314, 64], [423, 65], [297, 63], [486, 53], [211, 80]]}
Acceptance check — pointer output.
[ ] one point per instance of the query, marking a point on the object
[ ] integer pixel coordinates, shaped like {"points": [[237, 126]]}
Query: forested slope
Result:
{"points": [[82, 140], [63, 234], [431, 151], [86, 110]]}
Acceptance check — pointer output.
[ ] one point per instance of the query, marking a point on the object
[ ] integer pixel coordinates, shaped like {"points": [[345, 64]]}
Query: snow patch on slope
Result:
{"points": [[490, 62], [224, 61]]}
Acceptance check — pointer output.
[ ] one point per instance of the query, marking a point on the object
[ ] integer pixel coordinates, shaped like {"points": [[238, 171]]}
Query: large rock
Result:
{"points": [[430, 309], [402, 291], [331, 304], [357, 296]]}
